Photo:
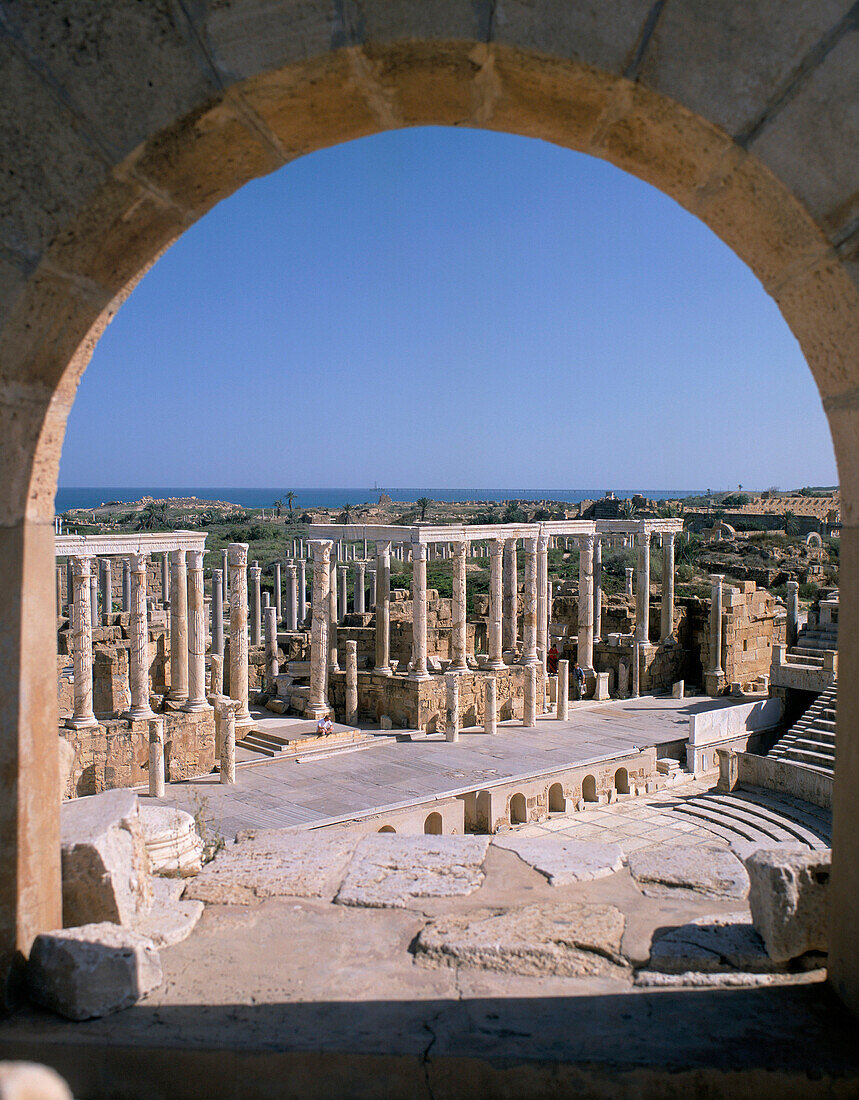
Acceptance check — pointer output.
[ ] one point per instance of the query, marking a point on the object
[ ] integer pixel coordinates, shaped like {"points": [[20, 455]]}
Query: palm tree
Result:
{"points": [[290, 501], [279, 506], [346, 514], [790, 523], [153, 515], [627, 509], [423, 504]]}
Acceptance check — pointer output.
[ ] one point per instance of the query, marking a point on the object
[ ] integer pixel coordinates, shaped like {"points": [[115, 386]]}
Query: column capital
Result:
{"points": [[542, 543], [81, 565], [177, 557], [530, 544], [512, 541], [496, 547], [217, 576], [419, 551], [255, 570], [291, 568], [587, 541], [195, 559], [237, 553], [343, 566], [716, 579], [460, 549], [321, 550], [137, 562], [792, 586]]}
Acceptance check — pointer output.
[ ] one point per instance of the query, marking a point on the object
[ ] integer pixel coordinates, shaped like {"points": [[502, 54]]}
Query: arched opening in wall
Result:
{"points": [[557, 799], [136, 238], [621, 781], [589, 789], [387, 829], [518, 810], [433, 826]]}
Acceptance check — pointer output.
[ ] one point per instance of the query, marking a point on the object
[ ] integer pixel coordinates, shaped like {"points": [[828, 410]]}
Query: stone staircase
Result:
{"points": [[306, 747], [812, 645], [810, 742], [753, 819]]}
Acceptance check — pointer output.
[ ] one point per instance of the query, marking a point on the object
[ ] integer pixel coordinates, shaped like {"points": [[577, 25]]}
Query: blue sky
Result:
{"points": [[448, 307]]}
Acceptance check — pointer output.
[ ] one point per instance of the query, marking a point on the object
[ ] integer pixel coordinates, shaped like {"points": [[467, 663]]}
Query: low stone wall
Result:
{"points": [[750, 725], [115, 753], [745, 769], [420, 704], [441, 815]]}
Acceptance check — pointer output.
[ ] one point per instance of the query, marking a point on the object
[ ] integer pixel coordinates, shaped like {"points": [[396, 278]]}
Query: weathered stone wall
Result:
{"points": [[115, 753], [752, 623]]}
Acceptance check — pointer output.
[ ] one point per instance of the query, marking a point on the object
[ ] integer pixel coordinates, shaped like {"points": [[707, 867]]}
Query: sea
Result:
{"points": [[82, 497]]}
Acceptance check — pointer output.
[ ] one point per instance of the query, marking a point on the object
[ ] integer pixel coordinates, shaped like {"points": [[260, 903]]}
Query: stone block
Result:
{"points": [[788, 899], [104, 861], [678, 690], [601, 687], [385, 722], [563, 860], [92, 971], [709, 871]]}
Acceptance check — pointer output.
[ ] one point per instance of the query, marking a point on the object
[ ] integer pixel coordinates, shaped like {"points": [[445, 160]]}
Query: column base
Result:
{"points": [[177, 697], [526, 662], [137, 714], [459, 668], [196, 706], [317, 711], [382, 672], [80, 723], [494, 666], [419, 677]]}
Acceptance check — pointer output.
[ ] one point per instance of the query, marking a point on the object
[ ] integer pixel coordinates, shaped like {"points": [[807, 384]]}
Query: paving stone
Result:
{"points": [[274, 863], [92, 971], [706, 870], [566, 939], [391, 871], [563, 860], [723, 942], [788, 899]]}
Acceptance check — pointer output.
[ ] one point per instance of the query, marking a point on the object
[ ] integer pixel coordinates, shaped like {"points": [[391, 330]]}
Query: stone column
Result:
{"points": [[451, 698], [225, 721], [490, 704], [342, 597], [419, 613], [636, 669], [511, 598], [529, 709], [70, 587], [217, 613], [271, 665], [542, 598], [351, 715], [59, 575], [106, 590], [383, 609], [255, 610], [629, 571], [716, 624], [165, 576], [496, 604], [642, 594], [93, 593], [458, 633], [196, 633], [585, 649], [529, 619], [292, 600], [126, 586], [156, 757], [301, 605], [563, 692], [216, 683], [332, 615], [238, 558], [225, 573], [138, 628], [81, 626], [358, 602], [178, 627], [278, 593], [371, 588], [792, 602], [666, 631], [597, 588], [317, 703]]}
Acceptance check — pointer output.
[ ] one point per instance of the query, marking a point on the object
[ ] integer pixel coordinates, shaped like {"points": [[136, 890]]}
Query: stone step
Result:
{"points": [[822, 769], [261, 743], [750, 822], [816, 819], [728, 828], [737, 805], [808, 756]]}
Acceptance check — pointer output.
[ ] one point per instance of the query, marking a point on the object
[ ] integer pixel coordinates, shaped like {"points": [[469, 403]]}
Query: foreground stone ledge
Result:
{"points": [[92, 971], [567, 940], [708, 871], [31, 1081], [388, 870], [563, 860], [788, 898]]}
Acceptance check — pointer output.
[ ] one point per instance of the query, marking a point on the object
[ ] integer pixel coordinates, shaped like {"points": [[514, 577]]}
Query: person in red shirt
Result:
{"points": [[552, 660]]}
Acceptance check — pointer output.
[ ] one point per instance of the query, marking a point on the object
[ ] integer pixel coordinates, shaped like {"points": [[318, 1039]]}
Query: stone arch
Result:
{"points": [[387, 829], [589, 789], [621, 781], [434, 826], [813, 539], [557, 799], [109, 173], [518, 810], [724, 531]]}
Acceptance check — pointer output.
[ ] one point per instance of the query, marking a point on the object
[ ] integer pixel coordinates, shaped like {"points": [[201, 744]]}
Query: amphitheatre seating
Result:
{"points": [[810, 742]]}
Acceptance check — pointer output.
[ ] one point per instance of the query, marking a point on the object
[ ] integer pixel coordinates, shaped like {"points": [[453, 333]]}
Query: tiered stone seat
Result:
{"points": [[810, 742], [759, 818]]}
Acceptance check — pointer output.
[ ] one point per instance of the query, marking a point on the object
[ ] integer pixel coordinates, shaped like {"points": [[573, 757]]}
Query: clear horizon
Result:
{"points": [[453, 306]]}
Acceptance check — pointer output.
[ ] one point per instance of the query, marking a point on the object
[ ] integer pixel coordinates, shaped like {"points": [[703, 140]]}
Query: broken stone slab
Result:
{"points": [[712, 944], [92, 970], [104, 860], [392, 871], [655, 979], [173, 844], [568, 939], [788, 900], [31, 1081], [563, 860], [274, 863], [706, 870]]}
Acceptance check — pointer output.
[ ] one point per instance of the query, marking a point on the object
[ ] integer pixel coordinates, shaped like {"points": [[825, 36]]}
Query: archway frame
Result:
{"points": [[127, 122]]}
